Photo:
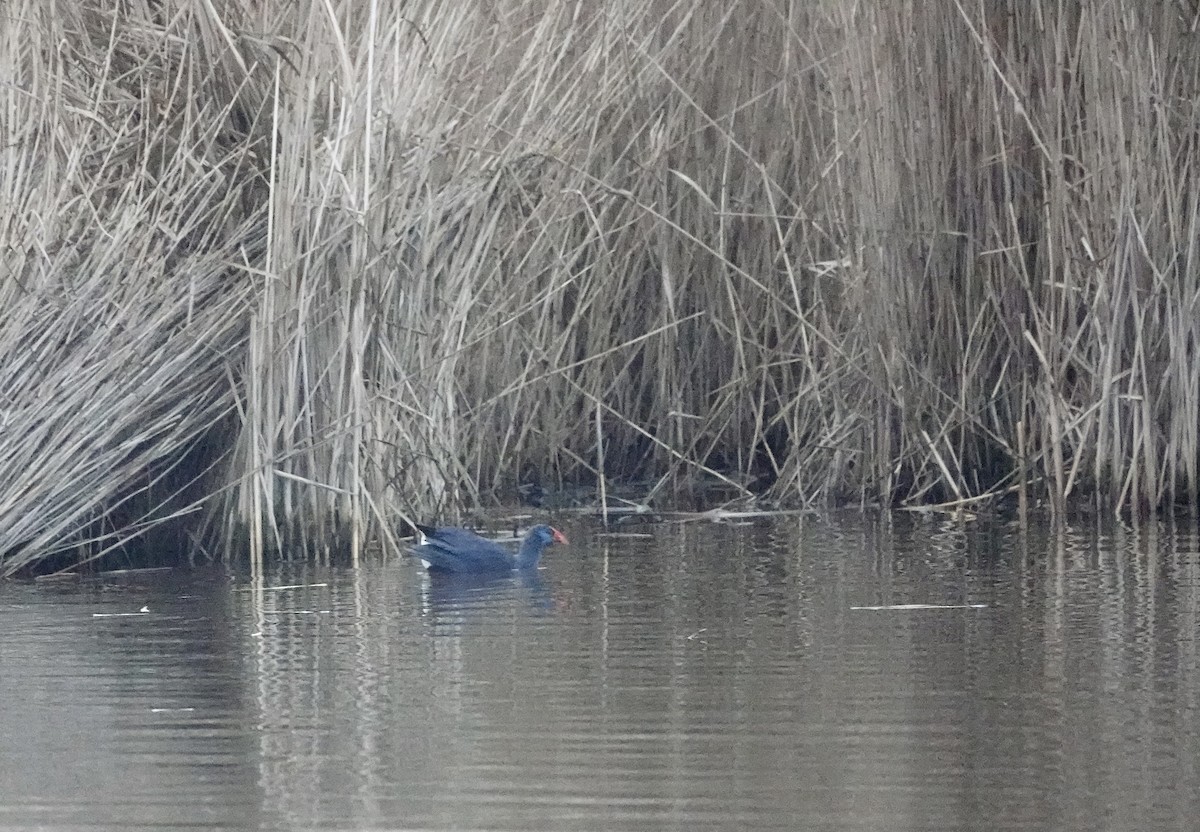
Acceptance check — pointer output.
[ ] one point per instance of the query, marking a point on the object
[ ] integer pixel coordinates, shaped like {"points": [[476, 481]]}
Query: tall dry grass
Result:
{"points": [[381, 257], [129, 252]]}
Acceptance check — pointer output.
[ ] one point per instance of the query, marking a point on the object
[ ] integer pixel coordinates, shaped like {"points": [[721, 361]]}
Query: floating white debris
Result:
{"points": [[277, 588], [142, 611], [925, 607]]}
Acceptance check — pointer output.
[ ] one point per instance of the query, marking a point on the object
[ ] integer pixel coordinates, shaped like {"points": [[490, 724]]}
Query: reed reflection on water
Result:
{"points": [[704, 677]]}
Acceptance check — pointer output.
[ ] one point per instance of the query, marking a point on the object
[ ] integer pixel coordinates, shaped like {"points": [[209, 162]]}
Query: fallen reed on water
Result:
{"points": [[322, 266]]}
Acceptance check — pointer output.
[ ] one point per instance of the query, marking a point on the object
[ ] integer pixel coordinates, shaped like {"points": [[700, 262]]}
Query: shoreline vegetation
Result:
{"points": [[279, 276]]}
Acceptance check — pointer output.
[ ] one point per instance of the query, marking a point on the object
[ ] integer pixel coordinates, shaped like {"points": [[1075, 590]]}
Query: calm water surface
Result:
{"points": [[705, 676]]}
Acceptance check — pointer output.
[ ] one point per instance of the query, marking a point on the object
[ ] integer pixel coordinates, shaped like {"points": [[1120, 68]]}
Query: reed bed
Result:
{"points": [[302, 270]]}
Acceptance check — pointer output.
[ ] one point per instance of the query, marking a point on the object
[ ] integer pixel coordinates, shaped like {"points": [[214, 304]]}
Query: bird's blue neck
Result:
{"points": [[530, 553]]}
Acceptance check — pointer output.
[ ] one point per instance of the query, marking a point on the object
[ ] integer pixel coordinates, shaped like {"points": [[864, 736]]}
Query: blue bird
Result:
{"points": [[449, 549]]}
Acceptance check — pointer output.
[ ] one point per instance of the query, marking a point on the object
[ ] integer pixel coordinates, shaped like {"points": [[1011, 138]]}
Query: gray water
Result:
{"points": [[706, 676]]}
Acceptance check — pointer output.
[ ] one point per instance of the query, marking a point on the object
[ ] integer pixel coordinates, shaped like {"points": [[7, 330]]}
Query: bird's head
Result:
{"points": [[547, 535]]}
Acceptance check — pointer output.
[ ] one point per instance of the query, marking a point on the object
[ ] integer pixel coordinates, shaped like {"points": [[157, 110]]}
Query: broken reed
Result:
{"points": [[836, 250]]}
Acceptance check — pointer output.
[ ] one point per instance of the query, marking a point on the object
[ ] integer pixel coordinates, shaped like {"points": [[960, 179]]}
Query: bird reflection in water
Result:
{"points": [[455, 596]]}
